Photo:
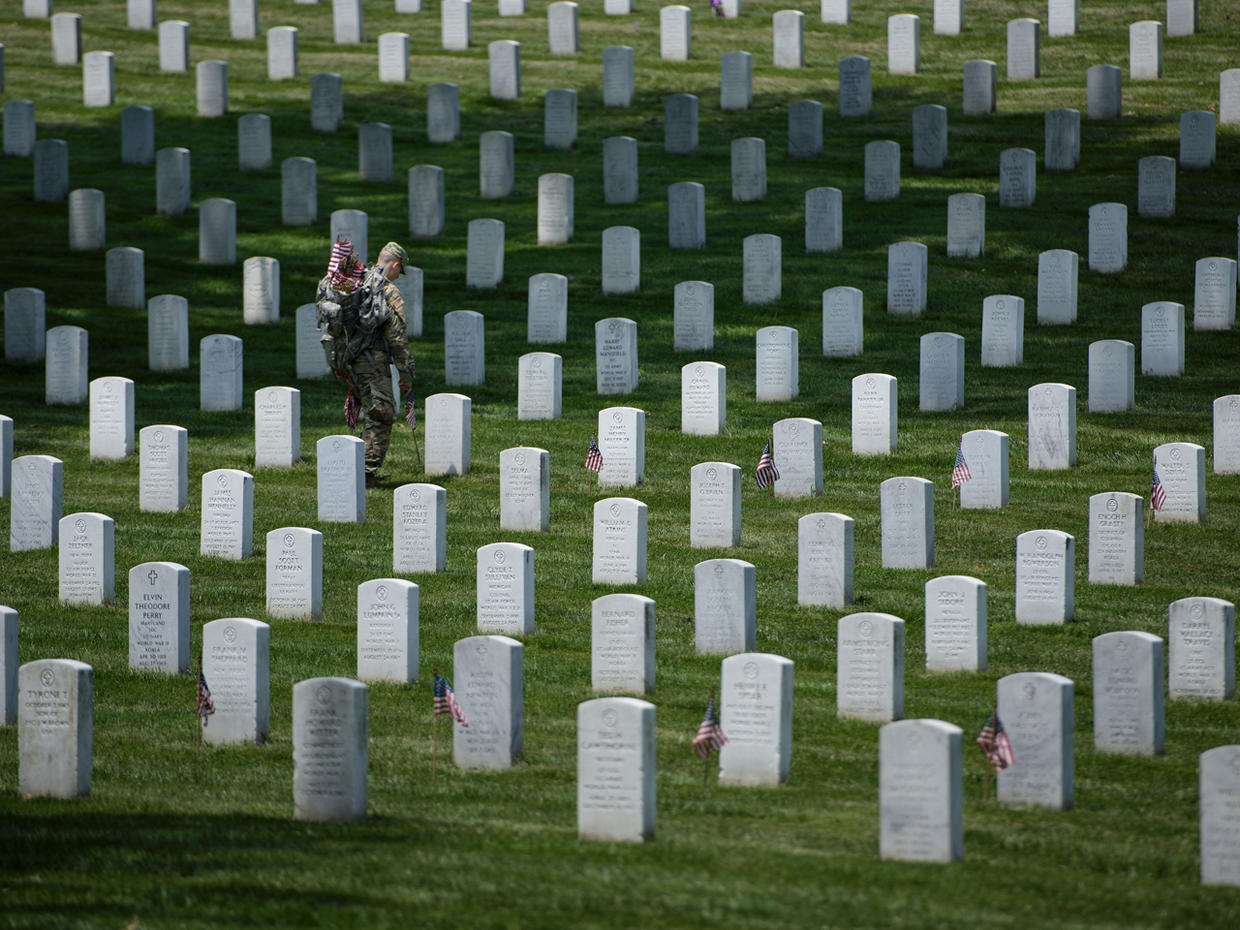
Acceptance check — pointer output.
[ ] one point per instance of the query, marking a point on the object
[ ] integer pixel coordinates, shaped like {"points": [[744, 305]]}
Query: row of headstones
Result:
{"points": [[703, 384], [725, 601], [921, 771], [725, 588], [443, 116], [621, 433], [1162, 322], [1063, 15], [1023, 37]]}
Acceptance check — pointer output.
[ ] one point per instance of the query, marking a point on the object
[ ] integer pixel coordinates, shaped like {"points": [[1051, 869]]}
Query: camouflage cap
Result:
{"points": [[397, 251]]}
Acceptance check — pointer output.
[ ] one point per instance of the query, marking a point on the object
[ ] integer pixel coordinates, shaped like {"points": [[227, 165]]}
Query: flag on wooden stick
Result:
{"points": [[960, 471], [206, 706], [766, 473], [1158, 493], [445, 701], [994, 743], [594, 457], [710, 736]]}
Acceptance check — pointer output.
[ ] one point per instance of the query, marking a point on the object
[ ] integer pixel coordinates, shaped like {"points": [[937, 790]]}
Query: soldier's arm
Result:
{"points": [[395, 336]]}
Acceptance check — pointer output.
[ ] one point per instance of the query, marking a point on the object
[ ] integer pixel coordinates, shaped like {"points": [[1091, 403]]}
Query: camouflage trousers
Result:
{"points": [[374, 384]]}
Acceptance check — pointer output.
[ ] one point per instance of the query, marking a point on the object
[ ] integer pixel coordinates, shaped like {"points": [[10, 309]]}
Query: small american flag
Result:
{"points": [[960, 471], [766, 473], [1158, 493], [411, 415], [343, 268], [206, 706], [710, 736], [445, 701], [996, 746], [594, 457], [352, 410]]}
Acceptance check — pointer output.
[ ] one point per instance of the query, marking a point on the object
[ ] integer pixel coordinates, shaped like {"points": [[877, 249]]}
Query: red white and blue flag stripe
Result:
{"points": [[766, 473], [960, 471], [710, 736], [445, 701]]}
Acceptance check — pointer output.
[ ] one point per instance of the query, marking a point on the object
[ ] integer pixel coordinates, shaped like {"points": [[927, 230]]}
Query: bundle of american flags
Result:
{"points": [[1158, 493], [766, 473], [710, 736], [206, 706], [995, 745], [352, 410], [594, 457], [445, 701], [960, 471], [343, 270]]}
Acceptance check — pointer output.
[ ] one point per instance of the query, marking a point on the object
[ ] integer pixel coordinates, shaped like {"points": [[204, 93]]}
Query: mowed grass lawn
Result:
{"points": [[174, 838]]}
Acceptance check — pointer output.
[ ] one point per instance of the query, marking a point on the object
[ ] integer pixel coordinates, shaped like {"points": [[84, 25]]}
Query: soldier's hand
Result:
{"points": [[405, 387]]}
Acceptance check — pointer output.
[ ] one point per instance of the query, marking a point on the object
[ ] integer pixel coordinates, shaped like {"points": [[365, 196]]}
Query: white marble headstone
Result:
{"points": [[615, 356], [686, 215], [111, 418], [825, 560], [703, 399], [295, 573], [941, 385], [55, 728], [1128, 693], [236, 662], [488, 678], [1111, 365], [1162, 339], [906, 278], [870, 667], [616, 770], [1045, 577], [1037, 713], [37, 492], [159, 636], [921, 789], [331, 746], [874, 409], [1057, 286], [219, 372], [87, 558], [1052, 426], [464, 347], [525, 489], [622, 260], [755, 712], [796, 444], [25, 325], [163, 454], [387, 630], [167, 333], [1062, 132], [986, 452], [227, 529], [619, 547], [956, 616], [1218, 785], [419, 529], [66, 365], [622, 638], [1201, 638], [693, 317], [1116, 538], [882, 170], [539, 390]]}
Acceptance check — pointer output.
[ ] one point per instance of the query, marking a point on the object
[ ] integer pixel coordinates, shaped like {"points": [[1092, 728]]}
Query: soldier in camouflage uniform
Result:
{"points": [[388, 345]]}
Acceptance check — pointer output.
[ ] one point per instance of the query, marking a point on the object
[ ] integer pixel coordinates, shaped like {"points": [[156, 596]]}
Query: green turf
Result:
{"points": [[168, 838]]}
